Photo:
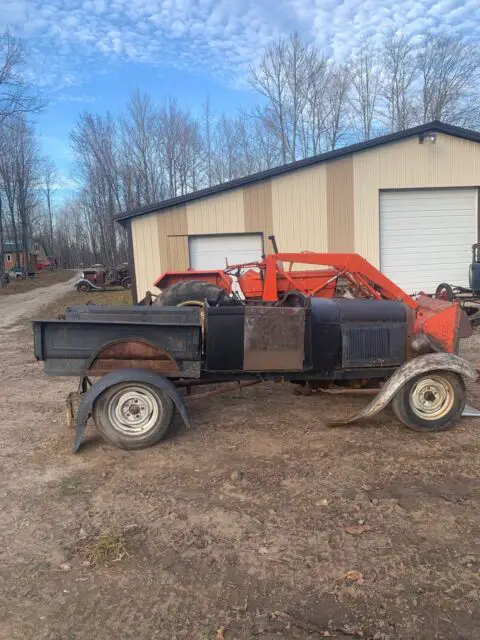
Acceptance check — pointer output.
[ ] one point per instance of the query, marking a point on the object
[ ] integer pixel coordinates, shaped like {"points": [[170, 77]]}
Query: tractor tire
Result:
{"points": [[432, 401], [444, 292], [190, 293]]}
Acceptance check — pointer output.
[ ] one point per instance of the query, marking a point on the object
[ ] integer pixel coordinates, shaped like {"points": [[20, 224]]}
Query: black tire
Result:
{"points": [[193, 291], [407, 400], [128, 435], [83, 287], [444, 292], [127, 282]]}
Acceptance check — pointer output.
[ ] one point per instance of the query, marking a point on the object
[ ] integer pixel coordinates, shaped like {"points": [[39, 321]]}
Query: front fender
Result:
{"points": [[413, 368], [90, 284], [115, 377]]}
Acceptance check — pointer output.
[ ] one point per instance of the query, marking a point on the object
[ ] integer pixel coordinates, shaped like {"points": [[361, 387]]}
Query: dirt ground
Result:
{"points": [[243, 527], [41, 279], [15, 307]]}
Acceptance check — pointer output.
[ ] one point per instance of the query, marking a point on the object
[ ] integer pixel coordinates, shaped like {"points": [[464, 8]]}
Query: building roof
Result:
{"points": [[9, 246], [430, 127]]}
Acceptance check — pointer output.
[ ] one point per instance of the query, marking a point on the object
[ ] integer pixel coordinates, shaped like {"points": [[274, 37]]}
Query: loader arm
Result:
{"points": [[353, 266]]}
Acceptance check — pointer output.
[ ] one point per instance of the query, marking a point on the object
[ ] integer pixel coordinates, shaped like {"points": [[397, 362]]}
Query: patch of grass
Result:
{"points": [[104, 549], [41, 279], [70, 486], [121, 297], [41, 565]]}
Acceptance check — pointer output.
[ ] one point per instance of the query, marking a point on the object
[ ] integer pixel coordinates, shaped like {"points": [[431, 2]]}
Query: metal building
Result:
{"points": [[408, 202]]}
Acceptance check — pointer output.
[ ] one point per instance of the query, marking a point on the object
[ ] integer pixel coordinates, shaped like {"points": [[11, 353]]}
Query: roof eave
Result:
{"points": [[435, 126]]}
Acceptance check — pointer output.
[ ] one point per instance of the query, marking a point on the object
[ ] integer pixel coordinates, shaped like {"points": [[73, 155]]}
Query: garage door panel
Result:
{"points": [[433, 224], [446, 240], [426, 236], [212, 252]]}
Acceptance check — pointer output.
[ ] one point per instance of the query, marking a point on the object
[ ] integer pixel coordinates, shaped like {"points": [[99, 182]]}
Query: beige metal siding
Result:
{"points": [[299, 208], [221, 213], [257, 206], [146, 243], [340, 205], [450, 162], [173, 237]]}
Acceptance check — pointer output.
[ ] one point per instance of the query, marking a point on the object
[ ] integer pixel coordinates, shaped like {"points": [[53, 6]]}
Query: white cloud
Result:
{"points": [[70, 40], [83, 98]]}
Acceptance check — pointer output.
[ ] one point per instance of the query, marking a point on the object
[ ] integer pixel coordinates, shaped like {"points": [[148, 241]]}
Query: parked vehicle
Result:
{"points": [[101, 278], [464, 295], [16, 273], [383, 339], [47, 264]]}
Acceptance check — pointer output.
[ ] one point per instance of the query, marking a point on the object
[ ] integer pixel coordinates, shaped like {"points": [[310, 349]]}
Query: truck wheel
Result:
{"points": [[189, 292], [83, 287], [133, 415], [432, 401], [444, 292]]}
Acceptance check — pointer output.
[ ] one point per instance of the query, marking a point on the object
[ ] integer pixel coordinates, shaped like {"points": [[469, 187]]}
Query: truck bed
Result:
{"points": [[93, 340]]}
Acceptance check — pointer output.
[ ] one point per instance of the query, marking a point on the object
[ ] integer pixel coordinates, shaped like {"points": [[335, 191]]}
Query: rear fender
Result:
{"points": [[123, 375], [413, 368]]}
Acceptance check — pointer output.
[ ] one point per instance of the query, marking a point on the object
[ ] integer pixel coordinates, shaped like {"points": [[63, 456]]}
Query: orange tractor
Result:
{"points": [[436, 324]]}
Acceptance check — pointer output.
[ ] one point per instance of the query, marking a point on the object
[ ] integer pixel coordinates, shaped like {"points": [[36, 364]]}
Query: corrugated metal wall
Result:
{"points": [[450, 162], [332, 206]]}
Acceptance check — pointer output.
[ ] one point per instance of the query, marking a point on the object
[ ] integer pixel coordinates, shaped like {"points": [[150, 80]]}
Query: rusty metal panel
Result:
{"points": [[274, 339]]}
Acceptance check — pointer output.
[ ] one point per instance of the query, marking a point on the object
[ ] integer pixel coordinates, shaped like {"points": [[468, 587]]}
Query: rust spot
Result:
{"points": [[133, 354]]}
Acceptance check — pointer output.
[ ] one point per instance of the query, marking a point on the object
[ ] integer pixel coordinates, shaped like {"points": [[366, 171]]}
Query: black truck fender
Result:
{"points": [[115, 377], [412, 368]]}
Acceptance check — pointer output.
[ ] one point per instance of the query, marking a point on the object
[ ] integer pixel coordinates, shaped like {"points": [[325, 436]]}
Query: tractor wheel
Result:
{"points": [[190, 293], [432, 401], [133, 415], [444, 292], [83, 287]]}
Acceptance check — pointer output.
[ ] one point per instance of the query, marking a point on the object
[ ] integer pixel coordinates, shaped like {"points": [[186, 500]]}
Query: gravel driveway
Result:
{"points": [[19, 305]]}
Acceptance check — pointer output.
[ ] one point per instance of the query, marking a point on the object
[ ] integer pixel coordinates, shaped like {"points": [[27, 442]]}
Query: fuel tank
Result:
{"points": [[357, 333]]}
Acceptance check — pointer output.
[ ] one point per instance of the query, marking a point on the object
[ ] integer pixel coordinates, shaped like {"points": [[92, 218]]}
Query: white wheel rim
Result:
{"points": [[432, 398], [134, 411]]}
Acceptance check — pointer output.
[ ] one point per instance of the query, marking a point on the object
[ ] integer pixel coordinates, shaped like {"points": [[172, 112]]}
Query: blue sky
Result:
{"points": [[91, 54]]}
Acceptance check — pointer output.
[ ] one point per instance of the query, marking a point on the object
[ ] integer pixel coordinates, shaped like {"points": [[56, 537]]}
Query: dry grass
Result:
{"points": [[41, 279], [71, 486], [114, 298], [103, 549]]}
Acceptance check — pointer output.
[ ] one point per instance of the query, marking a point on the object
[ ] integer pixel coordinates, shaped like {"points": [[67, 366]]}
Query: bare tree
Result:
{"points": [[139, 150], [315, 110], [270, 80], [449, 71], [366, 81], [400, 73], [16, 97], [337, 117], [207, 125], [95, 143], [9, 185], [49, 177], [285, 73]]}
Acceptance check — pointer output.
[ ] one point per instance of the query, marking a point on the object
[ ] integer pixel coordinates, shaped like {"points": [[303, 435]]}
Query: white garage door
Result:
{"points": [[210, 252], [426, 236]]}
